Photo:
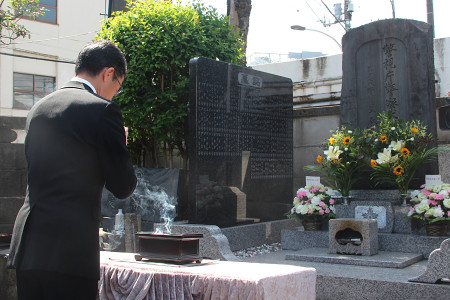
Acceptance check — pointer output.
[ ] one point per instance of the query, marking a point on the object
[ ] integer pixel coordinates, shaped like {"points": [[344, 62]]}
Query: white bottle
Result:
{"points": [[119, 225]]}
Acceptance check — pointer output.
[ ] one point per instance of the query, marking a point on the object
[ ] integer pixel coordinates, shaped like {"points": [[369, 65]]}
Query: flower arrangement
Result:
{"points": [[342, 160], [396, 149], [431, 204], [313, 202]]}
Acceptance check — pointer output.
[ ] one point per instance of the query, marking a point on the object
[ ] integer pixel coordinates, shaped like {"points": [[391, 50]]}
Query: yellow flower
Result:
{"points": [[398, 170], [373, 162], [405, 152], [383, 138], [319, 158], [346, 140], [415, 130], [331, 140]]}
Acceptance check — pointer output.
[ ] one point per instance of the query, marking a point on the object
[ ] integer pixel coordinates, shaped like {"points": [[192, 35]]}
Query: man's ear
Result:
{"points": [[108, 74]]}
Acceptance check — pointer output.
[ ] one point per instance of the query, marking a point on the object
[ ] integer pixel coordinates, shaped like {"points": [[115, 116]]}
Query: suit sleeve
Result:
{"points": [[115, 158]]}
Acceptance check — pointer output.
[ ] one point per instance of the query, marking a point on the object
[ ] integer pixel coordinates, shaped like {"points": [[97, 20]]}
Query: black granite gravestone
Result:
{"points": [[240, 144], [389, 65]]}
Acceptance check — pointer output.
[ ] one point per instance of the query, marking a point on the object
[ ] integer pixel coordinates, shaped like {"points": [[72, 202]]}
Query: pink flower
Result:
{"points": [[426, 192], [313, 190], [422, 186], [292, 211], [448, 213], [310, 211], [438, 197], [321, 212], [321, 190], [426, 216], [327, 211], [301, 194], [321, 204], [432, 202], [331, 201]]}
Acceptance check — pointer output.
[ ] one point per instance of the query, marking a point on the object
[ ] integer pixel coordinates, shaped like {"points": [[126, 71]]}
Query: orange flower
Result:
{"points": [[398, 170], [336, 161], [383, 138], [405, 152], [373, 162], [415, 130], [346, 140], [331, 140], [319, 158]]}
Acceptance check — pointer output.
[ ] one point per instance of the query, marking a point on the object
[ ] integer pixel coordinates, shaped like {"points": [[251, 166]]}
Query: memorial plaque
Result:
{"points": [[240, 136], [372, 212]]}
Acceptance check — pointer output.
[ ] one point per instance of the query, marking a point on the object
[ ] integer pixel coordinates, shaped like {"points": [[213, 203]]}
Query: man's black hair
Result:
{"points": [[98, 55]]}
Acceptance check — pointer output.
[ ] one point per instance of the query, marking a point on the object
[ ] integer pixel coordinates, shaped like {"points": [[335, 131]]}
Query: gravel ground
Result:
{"points": [[258, 250]]}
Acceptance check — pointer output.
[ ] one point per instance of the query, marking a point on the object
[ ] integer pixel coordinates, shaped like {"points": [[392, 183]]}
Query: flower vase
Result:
{"points": [[404, 200], [437, 229], [312, 224], [346, 200]]}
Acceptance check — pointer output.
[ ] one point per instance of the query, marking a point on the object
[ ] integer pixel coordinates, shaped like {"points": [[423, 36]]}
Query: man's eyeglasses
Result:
{"points": [[120, 90]]}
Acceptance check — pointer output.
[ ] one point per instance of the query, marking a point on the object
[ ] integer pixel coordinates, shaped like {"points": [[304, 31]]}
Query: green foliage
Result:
{"points": [[158, 39], [397, 148], [9, 17]]}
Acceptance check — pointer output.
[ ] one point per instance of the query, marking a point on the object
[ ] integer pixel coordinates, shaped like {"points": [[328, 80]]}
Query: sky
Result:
{"points": [[270, 22]]}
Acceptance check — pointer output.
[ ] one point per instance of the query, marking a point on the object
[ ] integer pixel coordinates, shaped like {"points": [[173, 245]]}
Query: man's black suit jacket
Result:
{"points": [[75, 145]]}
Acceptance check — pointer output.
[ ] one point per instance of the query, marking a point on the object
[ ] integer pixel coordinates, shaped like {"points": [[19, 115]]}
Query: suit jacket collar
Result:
{"points": [[78, 85]]}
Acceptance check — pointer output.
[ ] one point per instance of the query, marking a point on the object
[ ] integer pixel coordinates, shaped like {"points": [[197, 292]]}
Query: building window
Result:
{"points": [[49, 15], [29, 89]]}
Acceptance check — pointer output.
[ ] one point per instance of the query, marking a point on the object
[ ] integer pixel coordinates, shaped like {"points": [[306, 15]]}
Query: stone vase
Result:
{"points": [[437, 229], [404, 200]]}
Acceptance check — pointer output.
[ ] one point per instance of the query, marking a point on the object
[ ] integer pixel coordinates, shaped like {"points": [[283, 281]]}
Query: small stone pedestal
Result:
{"points": [[352, 236]]}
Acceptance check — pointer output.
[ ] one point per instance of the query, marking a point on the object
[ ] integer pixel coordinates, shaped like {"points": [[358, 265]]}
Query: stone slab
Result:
{"points": [[344, 282], [382, 259]]}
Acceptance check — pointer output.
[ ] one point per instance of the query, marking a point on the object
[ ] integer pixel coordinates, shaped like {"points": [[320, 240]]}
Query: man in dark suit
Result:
{"points": [[75, 145]]}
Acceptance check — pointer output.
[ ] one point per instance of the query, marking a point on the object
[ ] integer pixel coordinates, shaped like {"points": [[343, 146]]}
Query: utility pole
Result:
{"points": [[430, 14], [339, 15]]}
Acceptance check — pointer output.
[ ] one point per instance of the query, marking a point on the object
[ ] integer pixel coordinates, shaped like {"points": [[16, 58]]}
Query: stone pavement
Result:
{"points": [[338, 281]]}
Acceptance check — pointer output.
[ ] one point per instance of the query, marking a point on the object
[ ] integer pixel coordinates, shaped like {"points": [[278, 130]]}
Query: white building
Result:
{"points": [[31, 68]]}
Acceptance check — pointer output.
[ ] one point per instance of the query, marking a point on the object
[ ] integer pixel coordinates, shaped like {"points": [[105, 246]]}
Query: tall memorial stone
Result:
{"points": [[240, 144], [389, 65]]}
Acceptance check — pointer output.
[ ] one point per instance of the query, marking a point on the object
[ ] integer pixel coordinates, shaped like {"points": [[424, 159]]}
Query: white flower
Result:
{"points": [[392, 128], [315, 200], [333, 153], [422, 207], [436, 212], [350, 131], [415, 193], [447, 203], [397, 146], [376, 140], [346, 149], [296, 201], [384, 157], [411, 139]]}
